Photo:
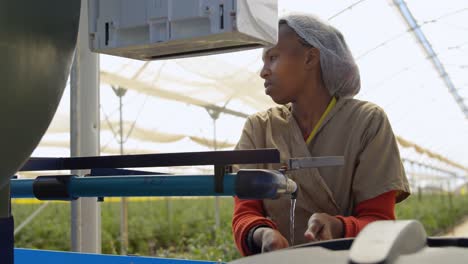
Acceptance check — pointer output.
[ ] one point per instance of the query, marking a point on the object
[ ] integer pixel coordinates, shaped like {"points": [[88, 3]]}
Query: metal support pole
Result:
{"points": [[429, 52], [217, 201], [120, 92], [215, 115], [419, 194], [169, 212], [84, 136]]}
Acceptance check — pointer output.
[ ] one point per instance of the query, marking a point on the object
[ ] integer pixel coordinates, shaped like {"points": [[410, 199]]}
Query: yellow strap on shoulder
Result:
{"points": [[319, 123]]}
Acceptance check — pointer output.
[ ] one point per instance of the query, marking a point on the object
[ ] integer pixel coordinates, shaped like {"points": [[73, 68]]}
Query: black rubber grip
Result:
{"points": [[52, 187]]}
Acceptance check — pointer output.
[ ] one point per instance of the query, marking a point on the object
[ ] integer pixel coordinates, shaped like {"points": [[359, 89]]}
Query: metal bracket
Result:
{"points": [[219, 171], [315, 162]]}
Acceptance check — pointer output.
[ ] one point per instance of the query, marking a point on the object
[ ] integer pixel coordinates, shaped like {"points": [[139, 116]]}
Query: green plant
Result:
{"points": [[184, 228]]}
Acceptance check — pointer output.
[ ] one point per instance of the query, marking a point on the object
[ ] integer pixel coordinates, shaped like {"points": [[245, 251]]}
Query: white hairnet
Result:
{"points": [[339, 70]]}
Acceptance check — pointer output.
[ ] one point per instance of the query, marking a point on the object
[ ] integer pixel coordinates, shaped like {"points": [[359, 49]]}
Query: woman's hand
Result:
{"points": [[269, 239], [323, 226]]}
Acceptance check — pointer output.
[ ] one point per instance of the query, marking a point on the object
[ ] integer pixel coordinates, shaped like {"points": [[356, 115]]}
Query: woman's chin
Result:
{"points": [[275, 97], [279, 100]]}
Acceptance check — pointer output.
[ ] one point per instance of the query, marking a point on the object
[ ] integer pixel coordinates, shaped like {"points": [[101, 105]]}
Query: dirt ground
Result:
{"points": [[460, 230]]}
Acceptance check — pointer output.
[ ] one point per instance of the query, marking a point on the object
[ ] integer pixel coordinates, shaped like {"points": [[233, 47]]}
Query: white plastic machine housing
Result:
{"points": [[397, 242], [156, 29]]}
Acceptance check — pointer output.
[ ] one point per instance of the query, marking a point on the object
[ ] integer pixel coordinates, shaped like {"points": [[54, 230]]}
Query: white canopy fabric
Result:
{"points": [[168, 104]]}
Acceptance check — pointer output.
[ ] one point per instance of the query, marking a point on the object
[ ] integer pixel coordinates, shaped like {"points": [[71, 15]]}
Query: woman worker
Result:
{"points": [[312, 75]]}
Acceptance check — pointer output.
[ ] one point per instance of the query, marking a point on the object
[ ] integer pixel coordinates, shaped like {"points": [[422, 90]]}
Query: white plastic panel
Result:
{"points": [[153, 29]]}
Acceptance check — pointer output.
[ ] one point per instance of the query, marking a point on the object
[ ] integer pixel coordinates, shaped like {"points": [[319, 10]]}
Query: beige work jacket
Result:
{"points": [[357, 130]]}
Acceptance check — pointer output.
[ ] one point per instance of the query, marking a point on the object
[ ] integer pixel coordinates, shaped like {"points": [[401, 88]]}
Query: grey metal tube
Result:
{"points": [[84, 135]]}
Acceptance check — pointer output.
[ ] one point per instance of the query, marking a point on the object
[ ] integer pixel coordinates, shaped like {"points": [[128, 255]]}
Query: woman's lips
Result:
{"points": [[268, 87]]}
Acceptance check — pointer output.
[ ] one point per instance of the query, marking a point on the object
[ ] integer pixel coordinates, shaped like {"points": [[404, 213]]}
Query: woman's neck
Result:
{"points": [[309, 108]]}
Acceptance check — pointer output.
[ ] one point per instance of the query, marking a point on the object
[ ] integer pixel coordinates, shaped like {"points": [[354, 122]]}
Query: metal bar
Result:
{"points": [[30, 218], [156, 160], [84, 134], [315, 162], [430, 53], [120, 92], [451, 173], [144, 185], [39, 163], [131, 84], [122, 172], [47, 256]]}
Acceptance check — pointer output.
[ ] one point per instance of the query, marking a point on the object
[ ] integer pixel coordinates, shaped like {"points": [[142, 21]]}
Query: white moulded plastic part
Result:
{"points": [[157, 29]]}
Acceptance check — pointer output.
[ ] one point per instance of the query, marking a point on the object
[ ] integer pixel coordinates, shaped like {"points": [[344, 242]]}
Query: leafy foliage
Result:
{"points": [[185, 228]]}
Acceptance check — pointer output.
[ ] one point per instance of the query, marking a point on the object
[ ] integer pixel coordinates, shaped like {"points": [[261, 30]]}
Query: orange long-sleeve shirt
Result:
{"points": [[250, 213]]}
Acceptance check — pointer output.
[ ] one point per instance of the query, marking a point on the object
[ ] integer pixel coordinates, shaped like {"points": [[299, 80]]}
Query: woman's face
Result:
{"points": [[286, 68]]}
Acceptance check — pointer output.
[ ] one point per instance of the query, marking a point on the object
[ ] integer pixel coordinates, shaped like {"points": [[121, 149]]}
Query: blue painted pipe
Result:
{"points": [[145, 185], [246, 184], [186, 185], [20, 188]]}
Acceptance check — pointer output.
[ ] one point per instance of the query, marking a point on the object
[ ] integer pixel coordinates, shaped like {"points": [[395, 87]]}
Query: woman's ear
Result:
{"points": [[312, 58]]}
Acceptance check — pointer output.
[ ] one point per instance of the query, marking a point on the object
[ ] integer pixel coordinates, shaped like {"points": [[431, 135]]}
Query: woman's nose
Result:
{"points": [[265, 72]]}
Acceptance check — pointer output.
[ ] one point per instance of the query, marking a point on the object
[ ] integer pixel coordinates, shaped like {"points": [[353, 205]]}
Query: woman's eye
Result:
{"points": [[273, 57]]}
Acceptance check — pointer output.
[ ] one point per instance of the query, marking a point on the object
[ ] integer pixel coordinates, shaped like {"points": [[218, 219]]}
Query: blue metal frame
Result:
{"points": [[133, 184], [30, 256]]}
